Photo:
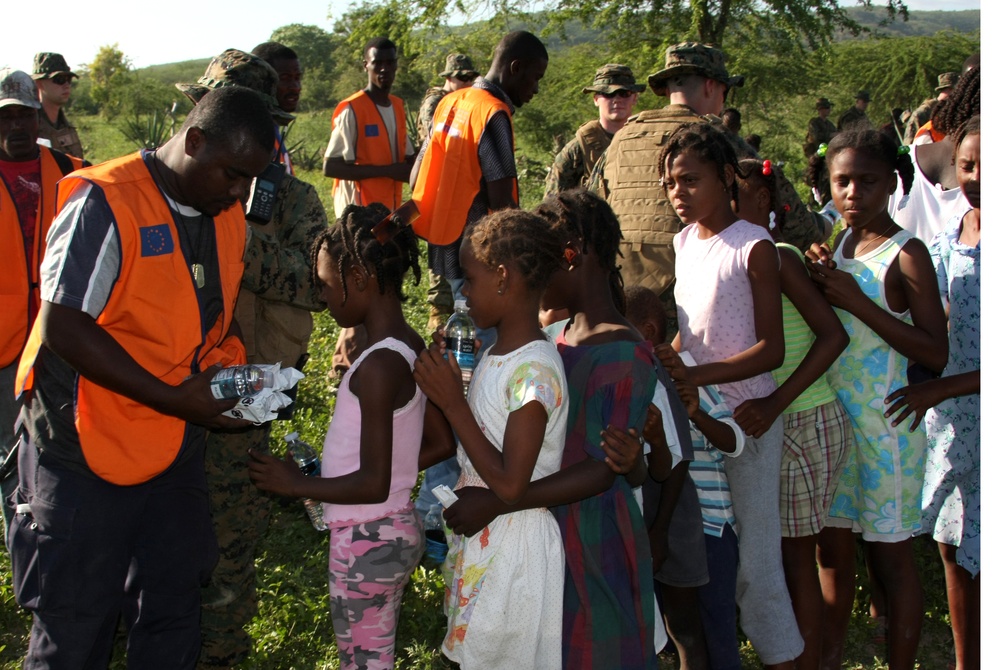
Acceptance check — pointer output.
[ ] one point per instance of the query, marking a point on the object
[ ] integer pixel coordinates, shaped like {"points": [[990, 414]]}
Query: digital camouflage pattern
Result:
{"points": [[273, 311], [918, 118], [628, 178], [48, 64], [820, 131], [425, 117], [854, 119], [692, 58], [614, 77], [458, 65], [573, 163], [238, 68]]}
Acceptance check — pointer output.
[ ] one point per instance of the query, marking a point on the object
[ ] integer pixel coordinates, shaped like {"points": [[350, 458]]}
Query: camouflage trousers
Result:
{"points": [[370, 564], [240, 514]]}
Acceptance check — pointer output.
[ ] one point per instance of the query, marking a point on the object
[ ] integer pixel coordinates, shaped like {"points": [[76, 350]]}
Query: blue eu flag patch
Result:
{"points": [[371, 130], [156, 240]]}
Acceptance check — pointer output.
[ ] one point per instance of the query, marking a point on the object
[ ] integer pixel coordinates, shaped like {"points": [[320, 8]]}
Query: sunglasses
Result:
{"points": [[61, 79], [620, 93]]}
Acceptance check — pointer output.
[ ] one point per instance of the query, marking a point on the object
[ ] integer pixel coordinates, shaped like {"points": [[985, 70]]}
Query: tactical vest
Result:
{"points": [[632, 177], [153, 313], [449, 174], [372, 147], [19, 281], [593, 140]]}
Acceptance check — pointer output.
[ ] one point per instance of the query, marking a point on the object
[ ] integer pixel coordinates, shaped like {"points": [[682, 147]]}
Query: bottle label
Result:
{"points": [[464, 350], [310, 468]]}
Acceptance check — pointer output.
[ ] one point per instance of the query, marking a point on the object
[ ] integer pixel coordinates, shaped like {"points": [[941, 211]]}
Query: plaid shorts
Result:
{"points": [[814, 452]]}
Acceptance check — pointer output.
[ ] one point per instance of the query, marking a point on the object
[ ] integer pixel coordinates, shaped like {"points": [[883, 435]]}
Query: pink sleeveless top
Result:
{"points": [[342, 446], [715, 304]]}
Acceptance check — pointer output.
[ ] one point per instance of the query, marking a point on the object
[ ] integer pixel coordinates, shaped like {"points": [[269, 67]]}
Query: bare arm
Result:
{"points": [[756, 416], [926, 341], [76, 338], [338, 168], [919, 398], [382, 383], [769, 350]]}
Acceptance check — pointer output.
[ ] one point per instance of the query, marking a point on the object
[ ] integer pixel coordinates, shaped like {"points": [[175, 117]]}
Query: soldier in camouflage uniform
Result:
{"points": [[615, 94], [855, 117], [458, 74], [274, 312], [696, 80], [54, 81], [821, 128], [922, 114]]}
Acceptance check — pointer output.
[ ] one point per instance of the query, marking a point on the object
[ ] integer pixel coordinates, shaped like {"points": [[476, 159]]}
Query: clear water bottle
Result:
{"points": [[240, 381], [437, 546], [460, 339], [307, 460]]}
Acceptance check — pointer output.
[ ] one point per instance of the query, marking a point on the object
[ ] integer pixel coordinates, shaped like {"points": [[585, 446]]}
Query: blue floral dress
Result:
{"points": [[951, 482], [879, 489]]}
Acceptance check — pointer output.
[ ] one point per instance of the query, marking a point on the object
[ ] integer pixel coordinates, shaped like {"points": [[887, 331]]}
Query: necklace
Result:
{"points": [[197, 269], [871, 241]]}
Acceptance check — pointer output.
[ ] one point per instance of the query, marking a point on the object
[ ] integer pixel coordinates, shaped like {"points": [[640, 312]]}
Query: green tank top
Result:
{"points": [[798, 338]]}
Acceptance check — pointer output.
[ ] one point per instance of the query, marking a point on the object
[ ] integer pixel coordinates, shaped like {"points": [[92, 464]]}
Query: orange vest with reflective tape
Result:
{"points": [[372, 147], [449, 174], [19, 279], [928, 129], [153, 314]]}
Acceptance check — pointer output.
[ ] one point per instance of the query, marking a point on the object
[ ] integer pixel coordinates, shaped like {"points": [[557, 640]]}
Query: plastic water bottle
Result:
{"points": [[307, 460], [460, 339], [437, 547], [240, 381]]}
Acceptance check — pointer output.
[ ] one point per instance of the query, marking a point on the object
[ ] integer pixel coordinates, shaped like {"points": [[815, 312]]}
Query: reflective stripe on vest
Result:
{"points": [[19, 278], [449, 176], [372, 147], [153, 314]]}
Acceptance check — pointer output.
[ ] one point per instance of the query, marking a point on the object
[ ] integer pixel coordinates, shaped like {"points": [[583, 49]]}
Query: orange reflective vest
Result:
{"points": [[153, 314], [928, 129], [372, 147], [449, 174], [19, 280]]}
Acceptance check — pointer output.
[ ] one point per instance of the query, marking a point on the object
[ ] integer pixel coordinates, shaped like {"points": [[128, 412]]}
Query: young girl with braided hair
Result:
{"points": [[882, 285], [951, 493], [371, 449], [504, 582], [606, 605], [817, 432], [729, 316]]}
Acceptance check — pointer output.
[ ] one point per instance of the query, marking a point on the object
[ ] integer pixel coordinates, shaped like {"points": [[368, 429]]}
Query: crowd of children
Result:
{"points": [[805, 399]]}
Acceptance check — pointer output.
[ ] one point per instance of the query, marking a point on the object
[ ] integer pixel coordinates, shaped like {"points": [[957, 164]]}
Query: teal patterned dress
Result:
{"points": [[879, 490]]}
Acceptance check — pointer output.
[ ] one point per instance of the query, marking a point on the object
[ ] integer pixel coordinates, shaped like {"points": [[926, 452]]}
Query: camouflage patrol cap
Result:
{"points": [[614, 77], [458, 65], [48, 64], [947, 80], [17, 88], [863, 95], [237, 68], [703, 60], [823, 103]]}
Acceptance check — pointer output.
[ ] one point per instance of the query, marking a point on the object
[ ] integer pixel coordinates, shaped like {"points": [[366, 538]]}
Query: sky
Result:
{"points": [[183, 29]]}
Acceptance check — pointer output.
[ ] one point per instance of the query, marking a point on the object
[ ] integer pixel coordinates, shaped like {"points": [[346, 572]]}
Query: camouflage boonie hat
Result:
{"points": [[693, 58], [17, 88], [48, 64], [458, 65], [237, 68], [863, 95], [823, 103], [614, 77], [946, 80]]}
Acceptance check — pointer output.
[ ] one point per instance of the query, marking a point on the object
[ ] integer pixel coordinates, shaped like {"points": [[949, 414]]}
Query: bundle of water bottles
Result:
{"points": [[259, 389]]}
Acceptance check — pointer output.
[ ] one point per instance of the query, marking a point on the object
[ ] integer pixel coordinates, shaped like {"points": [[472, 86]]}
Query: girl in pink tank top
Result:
{"points": [[729, 319], [371, 450]]}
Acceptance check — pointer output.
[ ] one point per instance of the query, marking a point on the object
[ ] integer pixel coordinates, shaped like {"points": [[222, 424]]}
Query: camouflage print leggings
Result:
{"points": [[370, 564]]}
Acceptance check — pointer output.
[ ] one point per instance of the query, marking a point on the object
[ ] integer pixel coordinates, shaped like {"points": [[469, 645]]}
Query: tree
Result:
{"points": [[110, 72]]}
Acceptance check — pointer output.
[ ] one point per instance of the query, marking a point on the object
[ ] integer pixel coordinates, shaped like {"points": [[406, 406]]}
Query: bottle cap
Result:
{"points": [[461, 303], [291, 437], [268, 377]]}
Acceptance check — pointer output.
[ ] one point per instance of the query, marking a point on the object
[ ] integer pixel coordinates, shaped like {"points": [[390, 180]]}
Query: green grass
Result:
{"points": [[293, 629]]}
